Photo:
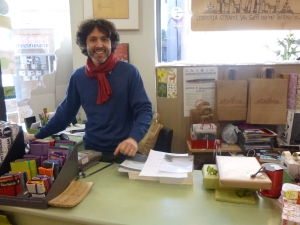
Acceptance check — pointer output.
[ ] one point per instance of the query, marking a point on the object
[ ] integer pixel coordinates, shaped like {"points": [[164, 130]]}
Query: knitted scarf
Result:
{"points": [[99, 72]]}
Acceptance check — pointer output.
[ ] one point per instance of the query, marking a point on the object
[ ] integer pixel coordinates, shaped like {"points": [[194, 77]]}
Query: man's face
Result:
{"points": [[98, 46]]}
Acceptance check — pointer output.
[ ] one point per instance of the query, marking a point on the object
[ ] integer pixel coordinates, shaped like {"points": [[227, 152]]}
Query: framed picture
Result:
{"points": [[130, 23], [122, 52]]}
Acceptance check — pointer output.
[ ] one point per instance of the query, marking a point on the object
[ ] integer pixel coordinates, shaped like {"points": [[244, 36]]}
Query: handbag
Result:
{"points": [[150, 138], [267, 99], [231, 97]]}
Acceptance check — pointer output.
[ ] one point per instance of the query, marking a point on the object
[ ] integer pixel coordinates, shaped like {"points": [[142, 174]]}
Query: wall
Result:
{"points": [[141, 43], [171, 110]]}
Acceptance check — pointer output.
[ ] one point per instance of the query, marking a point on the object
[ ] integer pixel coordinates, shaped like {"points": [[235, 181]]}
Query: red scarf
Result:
{"points": [[99, 72]]}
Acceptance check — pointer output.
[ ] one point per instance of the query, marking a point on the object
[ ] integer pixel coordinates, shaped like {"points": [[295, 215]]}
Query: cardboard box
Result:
{"points": [[235, 172], [66, 175], [210, 181], [204, 144]]}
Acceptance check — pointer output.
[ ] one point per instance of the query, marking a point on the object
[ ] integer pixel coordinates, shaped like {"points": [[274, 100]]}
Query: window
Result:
{"points": [[177, 42], [28, 49]]}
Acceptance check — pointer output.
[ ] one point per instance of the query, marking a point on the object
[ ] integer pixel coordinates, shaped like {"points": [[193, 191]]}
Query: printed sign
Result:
{"points": [[218, 15]]}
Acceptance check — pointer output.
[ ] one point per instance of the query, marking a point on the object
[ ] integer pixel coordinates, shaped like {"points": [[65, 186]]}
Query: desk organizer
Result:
{"points": [[68, 172]]}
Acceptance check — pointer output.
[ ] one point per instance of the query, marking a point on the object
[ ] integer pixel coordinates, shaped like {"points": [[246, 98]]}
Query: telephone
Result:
{"points": [[87, 159]]}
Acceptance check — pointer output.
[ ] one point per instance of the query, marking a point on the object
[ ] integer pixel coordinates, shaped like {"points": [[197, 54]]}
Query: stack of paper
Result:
{"points": [[135, 175], [170, 180], [133, 166], [160, 166], [170, 168]]}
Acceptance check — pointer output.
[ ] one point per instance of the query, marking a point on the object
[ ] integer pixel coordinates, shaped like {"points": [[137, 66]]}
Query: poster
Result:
{"points": [[167, 82], [224, 15], [198, 85], [7, 59]]}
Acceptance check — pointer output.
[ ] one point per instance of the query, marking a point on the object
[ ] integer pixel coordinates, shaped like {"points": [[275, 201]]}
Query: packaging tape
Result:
{"points": [[296, 155], [286, 154]]}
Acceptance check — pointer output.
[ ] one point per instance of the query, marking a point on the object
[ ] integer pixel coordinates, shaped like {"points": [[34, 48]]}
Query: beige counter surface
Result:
{"points": [[115, 199]]}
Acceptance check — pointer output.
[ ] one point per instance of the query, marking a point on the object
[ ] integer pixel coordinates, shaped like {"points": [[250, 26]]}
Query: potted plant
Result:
{"points": [[289, 47]]}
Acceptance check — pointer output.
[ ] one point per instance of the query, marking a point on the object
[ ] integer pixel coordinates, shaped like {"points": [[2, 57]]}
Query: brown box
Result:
{"points": [[66, 175], [235, 172]]}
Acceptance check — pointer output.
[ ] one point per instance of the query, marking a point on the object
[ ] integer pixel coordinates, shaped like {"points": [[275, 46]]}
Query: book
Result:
{"points": [[268, 156], [255, 138], [136, 162]]}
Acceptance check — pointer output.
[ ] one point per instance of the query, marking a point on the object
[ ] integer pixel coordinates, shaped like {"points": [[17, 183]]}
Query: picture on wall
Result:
{"points": [[122, 52], [167, 82], [115, 11], [111, 9]]}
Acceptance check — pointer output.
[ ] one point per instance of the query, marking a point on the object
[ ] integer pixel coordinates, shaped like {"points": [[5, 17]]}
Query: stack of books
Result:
{"points": [[163, 167], [252, 137]]}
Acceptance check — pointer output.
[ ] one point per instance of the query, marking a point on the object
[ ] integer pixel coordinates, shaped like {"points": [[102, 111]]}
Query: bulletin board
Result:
{"points": [[171, 110]]}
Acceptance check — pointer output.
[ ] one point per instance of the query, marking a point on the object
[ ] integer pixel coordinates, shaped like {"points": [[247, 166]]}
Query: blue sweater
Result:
{"points": [[127, 113]]}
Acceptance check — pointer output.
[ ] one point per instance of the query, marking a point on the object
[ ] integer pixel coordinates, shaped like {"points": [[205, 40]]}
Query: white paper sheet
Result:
{"points": [[177, 164], [152, 165]]}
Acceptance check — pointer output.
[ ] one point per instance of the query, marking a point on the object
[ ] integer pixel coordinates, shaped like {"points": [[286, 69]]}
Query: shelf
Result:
{"points": [[230, 148]]}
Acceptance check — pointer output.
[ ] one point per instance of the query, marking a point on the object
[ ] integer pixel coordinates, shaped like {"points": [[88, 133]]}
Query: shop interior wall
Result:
{"points": [[171, 110]]}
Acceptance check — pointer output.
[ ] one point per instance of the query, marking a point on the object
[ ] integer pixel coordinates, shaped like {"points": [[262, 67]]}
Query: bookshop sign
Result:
{"points": [[218, 15]]}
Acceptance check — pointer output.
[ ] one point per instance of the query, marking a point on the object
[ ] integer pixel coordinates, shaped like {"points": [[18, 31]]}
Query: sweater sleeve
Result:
{"points": [[141, 106], [64, 114]]}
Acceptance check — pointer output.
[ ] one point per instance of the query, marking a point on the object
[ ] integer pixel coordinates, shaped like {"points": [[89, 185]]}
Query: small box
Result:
{"points": [[205, 144], [210, 181]]}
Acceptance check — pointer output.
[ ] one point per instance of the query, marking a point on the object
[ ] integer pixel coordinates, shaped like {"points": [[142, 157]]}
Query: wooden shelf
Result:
{"points": [[230, 148]]}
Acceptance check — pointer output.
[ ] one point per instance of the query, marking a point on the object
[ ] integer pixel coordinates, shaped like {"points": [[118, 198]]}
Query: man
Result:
{"points": [[111, 93]]}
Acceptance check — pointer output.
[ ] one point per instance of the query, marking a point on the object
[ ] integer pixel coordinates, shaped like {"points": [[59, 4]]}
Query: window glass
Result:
{"points": [[28, 49], [177, 42]]}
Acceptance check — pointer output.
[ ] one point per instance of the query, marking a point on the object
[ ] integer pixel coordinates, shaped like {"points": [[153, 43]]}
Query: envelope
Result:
{"points": [[236, 172]]}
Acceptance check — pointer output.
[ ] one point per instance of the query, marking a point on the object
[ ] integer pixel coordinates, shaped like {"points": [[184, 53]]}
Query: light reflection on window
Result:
{"points": [[179, 43], [38, 29]]}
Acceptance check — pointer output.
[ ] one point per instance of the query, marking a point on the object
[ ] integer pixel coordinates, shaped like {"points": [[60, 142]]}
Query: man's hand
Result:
{"points": [[31, 137], [127, 147]]}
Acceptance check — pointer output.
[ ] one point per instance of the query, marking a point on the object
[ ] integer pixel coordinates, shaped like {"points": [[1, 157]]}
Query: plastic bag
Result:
{"points": [[229, 134]]}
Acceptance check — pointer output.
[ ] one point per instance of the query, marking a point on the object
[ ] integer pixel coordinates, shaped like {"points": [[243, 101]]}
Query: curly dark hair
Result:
{"points": [[105, 26]]}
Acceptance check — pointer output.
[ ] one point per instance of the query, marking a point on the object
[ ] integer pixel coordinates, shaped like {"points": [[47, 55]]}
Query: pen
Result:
{"points": [[83, 175], [76, 131]]}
